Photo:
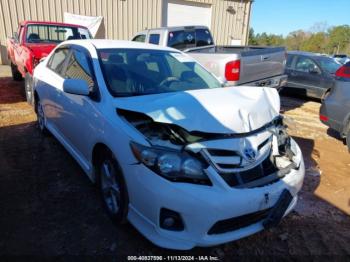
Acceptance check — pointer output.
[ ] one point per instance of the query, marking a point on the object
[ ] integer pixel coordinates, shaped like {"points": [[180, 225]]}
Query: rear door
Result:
{"points": [[290, 68], [78, 112], [53, 85], [307, 75]]}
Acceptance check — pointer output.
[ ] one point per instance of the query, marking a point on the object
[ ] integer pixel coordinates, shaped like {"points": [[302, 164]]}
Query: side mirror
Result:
{"points": [[76, 87]]}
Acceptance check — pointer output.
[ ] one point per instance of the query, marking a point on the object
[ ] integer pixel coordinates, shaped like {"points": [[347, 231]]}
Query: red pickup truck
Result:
{"points": [[35, 40]]}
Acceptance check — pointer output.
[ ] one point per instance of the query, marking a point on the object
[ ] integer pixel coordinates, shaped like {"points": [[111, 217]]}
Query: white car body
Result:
{"points": [[81, 123]]}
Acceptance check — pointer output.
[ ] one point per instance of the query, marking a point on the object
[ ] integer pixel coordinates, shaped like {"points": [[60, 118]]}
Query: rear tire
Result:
{"points": [[28, 85], [16, 75], [41, 118], [112, 187]]}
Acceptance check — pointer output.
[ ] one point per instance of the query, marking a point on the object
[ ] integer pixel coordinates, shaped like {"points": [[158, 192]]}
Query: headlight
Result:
{"points": [[171, 164]]}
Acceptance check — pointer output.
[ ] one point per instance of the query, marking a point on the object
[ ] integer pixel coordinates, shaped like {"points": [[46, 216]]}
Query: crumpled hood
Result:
{"points": [[221, 110]]}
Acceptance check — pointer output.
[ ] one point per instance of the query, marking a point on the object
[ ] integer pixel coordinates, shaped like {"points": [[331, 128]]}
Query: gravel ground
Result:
{"points": [[49, 207]]}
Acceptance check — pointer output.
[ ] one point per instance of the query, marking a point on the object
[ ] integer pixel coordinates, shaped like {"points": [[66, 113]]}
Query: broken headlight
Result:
{"points": [[285, 145], [171, 164]]}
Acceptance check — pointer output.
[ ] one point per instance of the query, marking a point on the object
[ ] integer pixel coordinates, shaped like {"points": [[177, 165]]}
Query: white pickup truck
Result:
{"points": [[238, 65]]}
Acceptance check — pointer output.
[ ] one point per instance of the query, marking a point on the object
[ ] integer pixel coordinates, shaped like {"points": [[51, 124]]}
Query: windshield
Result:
{"points": [[328, 64], [129, 72], [54, 34]]}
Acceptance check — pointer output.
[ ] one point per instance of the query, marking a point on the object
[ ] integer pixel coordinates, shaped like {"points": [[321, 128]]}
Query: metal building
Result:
{"points": [[227, 19]]}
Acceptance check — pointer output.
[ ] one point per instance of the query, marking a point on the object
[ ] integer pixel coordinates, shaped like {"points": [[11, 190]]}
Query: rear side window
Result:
{"points": [[78, 67], [154, 39], [183, 39], [139, 38], [57, 60]]}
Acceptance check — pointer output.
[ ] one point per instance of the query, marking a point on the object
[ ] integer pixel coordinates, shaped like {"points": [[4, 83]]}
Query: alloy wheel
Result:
{"points": [[110, 187]]}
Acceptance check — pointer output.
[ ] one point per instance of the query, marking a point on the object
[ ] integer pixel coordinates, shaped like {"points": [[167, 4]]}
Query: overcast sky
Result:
{"points": [[284, 16]]}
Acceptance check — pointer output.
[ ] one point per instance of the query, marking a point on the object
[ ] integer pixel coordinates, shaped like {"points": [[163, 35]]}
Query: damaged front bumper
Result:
{"points": [[225, 211]]}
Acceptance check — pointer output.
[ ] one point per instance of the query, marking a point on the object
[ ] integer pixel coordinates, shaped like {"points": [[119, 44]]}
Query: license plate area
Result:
{"points": [[278, 210]]}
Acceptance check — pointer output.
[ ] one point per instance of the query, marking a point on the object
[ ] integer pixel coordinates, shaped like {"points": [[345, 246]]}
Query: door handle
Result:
{"points": [[265, 58]]}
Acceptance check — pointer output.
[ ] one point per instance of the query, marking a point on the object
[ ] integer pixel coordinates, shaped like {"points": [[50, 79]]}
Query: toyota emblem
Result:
{"points": [[249, 154]]}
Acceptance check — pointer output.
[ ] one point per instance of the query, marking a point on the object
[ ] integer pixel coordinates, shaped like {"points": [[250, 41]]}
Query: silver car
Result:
{"points": [[335, 109]]}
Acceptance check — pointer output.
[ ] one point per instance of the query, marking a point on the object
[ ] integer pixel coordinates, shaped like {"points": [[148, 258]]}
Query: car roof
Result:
{"points": [[110, 44], [181, 27], [31, 22], [316, 55]]}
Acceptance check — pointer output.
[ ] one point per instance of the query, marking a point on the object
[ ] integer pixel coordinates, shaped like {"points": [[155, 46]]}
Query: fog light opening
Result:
{"points": [[170, 220]]}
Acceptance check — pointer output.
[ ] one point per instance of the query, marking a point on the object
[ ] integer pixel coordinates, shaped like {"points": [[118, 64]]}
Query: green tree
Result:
{"points": [[319, 40], [295, 40], [252, 38], [339, 39], [315, 43]]}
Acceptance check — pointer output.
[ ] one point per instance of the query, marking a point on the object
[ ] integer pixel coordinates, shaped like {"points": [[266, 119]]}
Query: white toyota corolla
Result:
{"points": [[186, 161]]}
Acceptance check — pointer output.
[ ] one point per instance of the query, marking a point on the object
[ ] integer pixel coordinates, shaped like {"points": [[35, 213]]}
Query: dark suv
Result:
{"points": [[311, 74]]}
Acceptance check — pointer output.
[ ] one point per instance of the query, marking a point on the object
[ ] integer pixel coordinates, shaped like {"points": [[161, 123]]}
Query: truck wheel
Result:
{"points": [[41, 117], [112, 188], [16, 75], [28, 84]]}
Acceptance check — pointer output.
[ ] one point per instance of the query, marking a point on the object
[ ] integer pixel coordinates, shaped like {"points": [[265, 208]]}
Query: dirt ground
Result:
{"points": [[49, 207]]}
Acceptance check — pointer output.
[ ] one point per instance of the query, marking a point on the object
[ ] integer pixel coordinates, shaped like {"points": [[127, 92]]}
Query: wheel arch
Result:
{"points": [[97, 154]]}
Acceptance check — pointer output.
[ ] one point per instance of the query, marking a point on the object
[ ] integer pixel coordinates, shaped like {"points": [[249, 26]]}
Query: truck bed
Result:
{"points": [[257, 63], [242, 50]]}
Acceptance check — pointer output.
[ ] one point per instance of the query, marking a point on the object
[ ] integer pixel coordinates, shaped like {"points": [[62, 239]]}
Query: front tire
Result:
{"points": [[16, 75], [28, 84], [112, 188], [41, 118]]}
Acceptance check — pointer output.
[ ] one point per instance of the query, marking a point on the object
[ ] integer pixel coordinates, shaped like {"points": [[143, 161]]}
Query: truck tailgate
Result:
{"points": [[257, 63], [261, 65]]}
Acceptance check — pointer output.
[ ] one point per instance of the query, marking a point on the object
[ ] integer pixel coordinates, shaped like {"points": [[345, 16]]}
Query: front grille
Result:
{"points": [[231, 160], [241, 178], [235, 223]]}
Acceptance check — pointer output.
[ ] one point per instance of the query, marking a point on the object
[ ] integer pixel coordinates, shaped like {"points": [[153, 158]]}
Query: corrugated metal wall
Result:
{"points": [[226, 25], [122, 18]]}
